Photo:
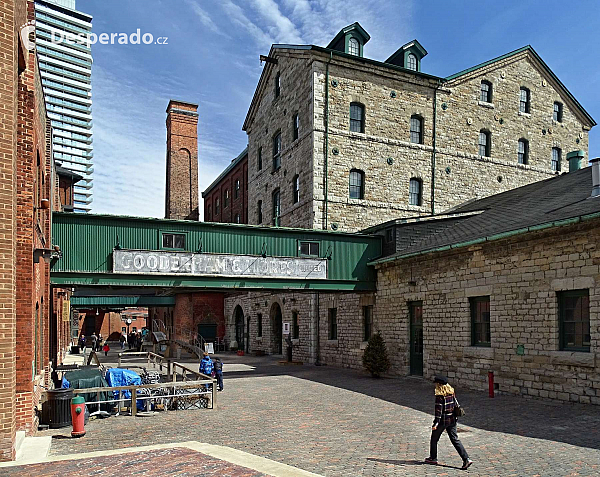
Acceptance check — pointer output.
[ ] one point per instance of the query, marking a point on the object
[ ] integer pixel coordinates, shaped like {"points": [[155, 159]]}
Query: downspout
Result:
{"points": [[326, 117], [433, 150], [318, 344]]}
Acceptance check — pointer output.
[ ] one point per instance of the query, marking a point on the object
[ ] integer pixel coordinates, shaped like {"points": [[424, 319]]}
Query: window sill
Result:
{"points": [[478, 352], [526, 115], [274, 170], [332, 342], [584, 359], [486, 105]]}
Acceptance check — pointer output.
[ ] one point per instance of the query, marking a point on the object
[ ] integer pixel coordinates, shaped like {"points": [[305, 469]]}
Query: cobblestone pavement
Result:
{"points": [[334, 422], [159, 462]]}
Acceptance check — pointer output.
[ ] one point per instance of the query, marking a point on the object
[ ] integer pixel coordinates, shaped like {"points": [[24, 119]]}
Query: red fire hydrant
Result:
{"points": [[78, 416]]}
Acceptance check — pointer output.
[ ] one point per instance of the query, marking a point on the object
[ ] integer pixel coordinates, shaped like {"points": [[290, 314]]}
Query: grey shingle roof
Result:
{"points": [[556, 199]]}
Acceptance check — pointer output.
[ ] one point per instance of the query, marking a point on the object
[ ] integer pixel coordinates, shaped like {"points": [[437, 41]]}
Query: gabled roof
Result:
{"points": [[559, 200], [544, 66], [355, 26], [233, 163], [403, 48]]}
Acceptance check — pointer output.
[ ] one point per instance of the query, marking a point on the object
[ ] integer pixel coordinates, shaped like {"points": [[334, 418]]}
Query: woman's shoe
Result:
{"points": [[466, 464], [429, 460]]}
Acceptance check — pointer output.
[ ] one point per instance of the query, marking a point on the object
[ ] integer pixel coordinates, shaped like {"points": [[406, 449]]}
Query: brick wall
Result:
{"points": [[192, 309], [181, 199], [237, 205], [522, 277]]}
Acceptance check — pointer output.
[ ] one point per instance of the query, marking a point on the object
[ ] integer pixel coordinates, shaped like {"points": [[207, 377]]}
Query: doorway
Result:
{"points": [[276, 329], [416, 337], [239, 326], [248, 335]]}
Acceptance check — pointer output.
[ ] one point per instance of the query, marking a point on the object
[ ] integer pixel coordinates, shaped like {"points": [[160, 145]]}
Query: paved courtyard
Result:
{"points": [[333, 421]]}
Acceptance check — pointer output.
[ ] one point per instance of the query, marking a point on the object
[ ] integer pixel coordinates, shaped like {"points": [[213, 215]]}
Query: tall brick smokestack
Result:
{"points": [[181, 198]]}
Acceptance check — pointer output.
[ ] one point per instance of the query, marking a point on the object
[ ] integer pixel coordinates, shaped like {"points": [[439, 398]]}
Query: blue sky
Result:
{"points": [[212, 58]]}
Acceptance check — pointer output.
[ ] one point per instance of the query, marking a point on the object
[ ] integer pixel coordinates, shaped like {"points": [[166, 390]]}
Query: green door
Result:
{"points": [[416, 338]]}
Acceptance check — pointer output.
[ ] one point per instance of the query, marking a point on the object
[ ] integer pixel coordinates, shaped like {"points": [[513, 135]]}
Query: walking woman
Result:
{"points": [[445, 401]]}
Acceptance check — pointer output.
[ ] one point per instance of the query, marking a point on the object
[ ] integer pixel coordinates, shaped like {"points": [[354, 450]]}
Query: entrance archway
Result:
{"points": [[276, 329], [239, 326]]}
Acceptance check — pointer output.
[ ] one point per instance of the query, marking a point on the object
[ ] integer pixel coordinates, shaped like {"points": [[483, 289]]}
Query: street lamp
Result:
{"points": [[128, 321]]}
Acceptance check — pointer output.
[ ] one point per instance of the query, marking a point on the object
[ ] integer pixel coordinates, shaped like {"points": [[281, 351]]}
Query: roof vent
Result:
{"points": [[595, 176], [574, 158]]}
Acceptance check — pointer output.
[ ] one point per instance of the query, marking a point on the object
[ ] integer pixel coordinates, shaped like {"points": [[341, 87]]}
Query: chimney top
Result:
{"points": [[181, 105], [595, 163]]}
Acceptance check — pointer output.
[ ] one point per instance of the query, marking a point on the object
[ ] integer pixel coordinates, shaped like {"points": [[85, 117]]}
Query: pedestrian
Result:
{"points": [[138, 341], [94, 341], [82, 343], [122, 340], [218, 365], [206, 366], [106, 349], [445, 419], [130, 340], [100, 339]]}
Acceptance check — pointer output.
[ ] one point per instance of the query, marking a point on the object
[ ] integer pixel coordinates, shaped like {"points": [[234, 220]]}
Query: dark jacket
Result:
{"points": [[218, 364], [444, 411]]}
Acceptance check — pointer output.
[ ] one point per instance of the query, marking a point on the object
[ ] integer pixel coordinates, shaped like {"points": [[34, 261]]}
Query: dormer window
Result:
{"points": [[408, 56], [354, 47], [411, 62]]}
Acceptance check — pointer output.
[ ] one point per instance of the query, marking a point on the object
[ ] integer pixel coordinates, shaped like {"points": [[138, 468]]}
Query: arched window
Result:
{"points": [[296, 188], [277, 85], [277, 151], [414, 191], [411, 62], [217, 207], [236, 190], [357, 184], [524, 100], [558, 112], [209, 214], [237, 218], [416, 129], [276, 208], [354, 47], [523, 151], [486, 91], [296, 126], [485, 143], [357, 117], [259, 212], [259, 159], [556, 153], [226, 199]]}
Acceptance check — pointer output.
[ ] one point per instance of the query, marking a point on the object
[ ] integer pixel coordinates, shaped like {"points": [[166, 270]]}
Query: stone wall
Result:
{"points": [[522, 276]]}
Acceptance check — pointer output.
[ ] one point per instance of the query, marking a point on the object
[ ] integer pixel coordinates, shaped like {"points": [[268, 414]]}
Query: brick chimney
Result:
{"points": [[181, 198]]}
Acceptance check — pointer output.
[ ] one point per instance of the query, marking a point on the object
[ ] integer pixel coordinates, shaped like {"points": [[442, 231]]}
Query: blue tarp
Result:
{"points": [[124, 377]]}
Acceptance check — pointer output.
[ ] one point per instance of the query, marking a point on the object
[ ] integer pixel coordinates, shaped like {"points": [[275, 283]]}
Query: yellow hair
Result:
{"points": [[443, 389]]}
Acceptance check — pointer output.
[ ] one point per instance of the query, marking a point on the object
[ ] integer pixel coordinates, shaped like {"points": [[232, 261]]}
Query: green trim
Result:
{"points": [[490, 238], [356, 30], [206, 283], [121, 301]]}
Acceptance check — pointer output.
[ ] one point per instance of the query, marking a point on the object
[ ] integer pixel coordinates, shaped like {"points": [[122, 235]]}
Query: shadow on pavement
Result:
{"points": [[409, 462], [571, 423]]}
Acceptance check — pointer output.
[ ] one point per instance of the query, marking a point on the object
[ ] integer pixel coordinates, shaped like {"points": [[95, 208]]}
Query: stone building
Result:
{"points": [[33, 331]]}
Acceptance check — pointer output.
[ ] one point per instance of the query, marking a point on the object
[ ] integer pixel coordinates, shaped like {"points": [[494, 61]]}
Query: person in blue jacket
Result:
{"points": [[206, 366]]}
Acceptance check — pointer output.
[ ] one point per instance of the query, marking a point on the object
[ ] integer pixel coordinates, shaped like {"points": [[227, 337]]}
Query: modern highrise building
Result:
{"points": [[66, 70]]}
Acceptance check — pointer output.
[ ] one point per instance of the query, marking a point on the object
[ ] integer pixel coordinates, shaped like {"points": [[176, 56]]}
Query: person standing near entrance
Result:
{"points": [[94, 341], [218, 365], [122, 340], [445, 402]]}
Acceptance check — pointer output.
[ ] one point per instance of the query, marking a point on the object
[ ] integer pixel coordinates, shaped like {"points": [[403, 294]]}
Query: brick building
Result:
{"points": [[226, 199], [33, 330]]}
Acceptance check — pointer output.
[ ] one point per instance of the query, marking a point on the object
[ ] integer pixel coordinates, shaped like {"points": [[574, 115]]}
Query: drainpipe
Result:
{"points": [[434, 150], [326, 116], [318, 344]]}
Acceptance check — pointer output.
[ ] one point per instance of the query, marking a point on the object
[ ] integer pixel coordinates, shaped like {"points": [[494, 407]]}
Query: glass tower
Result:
{"points": [[66, 70]]}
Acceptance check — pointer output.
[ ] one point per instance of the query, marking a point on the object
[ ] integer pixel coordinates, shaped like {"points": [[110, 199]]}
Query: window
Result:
{"points": [[296, 126], [480, 321], [414, 192], [259, 325], [123, 329], [574, 320], [309, 249], [416, 129], [367, 312], [226, 199], [295, 326], [486, 91], [485, 143], [354, 47], [174, 241], [209, 212], [357, 117], [236, 189], [237, 218], [332, 323], [357, 184], [389, 235], [411, 62], [259, 159], [524, 100], [276, 208], [217, 207], [259, 212], [277, 85], [296, 187], [277, 151], [556, 153], [523, 151], [558, 111]]}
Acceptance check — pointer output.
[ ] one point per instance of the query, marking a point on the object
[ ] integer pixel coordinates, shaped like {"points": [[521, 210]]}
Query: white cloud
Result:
{"points": [[238, 16], [283, 29], [205, 18]]}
